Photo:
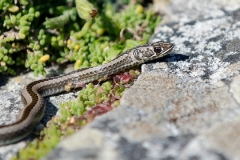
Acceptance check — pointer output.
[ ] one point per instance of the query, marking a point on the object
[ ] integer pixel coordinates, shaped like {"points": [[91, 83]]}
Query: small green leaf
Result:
{"points": [[84, 9], [12, 8]]}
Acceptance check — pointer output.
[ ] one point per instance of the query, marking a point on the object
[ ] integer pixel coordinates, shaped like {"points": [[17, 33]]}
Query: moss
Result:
{"points": [[56, 29], [92, 101]]}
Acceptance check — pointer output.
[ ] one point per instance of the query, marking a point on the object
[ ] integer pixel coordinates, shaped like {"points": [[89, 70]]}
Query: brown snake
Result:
{"points": [[32, 94]]}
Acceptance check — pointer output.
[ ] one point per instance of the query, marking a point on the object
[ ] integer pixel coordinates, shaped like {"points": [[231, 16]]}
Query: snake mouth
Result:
{"points": [[168, 47]]}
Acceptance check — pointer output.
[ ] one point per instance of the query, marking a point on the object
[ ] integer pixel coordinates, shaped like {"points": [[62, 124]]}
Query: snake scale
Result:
{"points": [[32, 94]]}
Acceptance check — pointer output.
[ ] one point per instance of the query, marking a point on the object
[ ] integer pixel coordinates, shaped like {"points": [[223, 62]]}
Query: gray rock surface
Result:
{"points": [[11, 105], [184, 106]]}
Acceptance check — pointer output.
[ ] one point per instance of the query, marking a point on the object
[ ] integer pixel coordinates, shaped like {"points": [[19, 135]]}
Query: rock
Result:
{"points": [[183, 106], [11, 105]]}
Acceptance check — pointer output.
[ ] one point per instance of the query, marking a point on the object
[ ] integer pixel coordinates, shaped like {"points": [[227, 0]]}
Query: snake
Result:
{"points": [[32, 95]]}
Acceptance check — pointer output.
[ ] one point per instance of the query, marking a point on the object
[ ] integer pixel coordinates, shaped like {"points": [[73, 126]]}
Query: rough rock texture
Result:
{"points": [[11, 105], [183, 106]]}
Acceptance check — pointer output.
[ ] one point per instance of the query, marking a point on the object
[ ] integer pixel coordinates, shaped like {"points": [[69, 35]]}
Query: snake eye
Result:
{"points": [[157, 49]]}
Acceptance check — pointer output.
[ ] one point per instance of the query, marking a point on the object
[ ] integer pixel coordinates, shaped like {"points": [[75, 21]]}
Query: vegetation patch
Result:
{"points": [[36, 34]]}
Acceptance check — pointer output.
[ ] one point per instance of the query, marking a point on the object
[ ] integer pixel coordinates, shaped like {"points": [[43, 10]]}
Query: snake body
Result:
{"points": [[32, 94]]}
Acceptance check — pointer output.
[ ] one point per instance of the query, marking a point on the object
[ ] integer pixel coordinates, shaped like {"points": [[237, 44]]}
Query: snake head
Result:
{"points": [[151, 51]]}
